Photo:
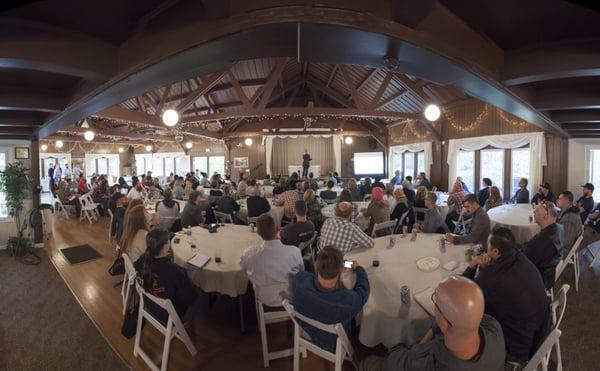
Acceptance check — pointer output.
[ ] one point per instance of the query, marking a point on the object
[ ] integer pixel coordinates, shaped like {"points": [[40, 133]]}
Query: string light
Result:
{"points": [[478, 120], [503, 116]]}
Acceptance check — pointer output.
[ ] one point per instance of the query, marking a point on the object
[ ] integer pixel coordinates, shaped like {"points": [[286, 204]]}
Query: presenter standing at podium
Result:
{"points": [[305, 163]]}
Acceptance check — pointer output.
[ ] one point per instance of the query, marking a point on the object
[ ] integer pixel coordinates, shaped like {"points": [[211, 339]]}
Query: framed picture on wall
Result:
{"points": [[22, 153], [240, 162]]}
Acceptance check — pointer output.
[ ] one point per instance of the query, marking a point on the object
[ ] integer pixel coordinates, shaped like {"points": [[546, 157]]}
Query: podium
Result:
{"points": [[315, 169]]}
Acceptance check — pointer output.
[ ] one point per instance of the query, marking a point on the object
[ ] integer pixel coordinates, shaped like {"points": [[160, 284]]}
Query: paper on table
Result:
{"points": [[199, 260], [424, 300]]}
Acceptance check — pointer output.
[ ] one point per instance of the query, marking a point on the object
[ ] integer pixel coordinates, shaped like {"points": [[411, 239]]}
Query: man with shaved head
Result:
{"points": [[341, 233], [463, 337]]}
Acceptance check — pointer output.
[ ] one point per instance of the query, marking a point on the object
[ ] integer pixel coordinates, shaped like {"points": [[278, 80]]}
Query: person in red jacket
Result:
{"points": [[82, 186]]}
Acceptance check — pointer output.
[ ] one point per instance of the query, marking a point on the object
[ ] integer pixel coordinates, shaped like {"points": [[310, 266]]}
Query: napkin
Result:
{"points": [[424, 300]]}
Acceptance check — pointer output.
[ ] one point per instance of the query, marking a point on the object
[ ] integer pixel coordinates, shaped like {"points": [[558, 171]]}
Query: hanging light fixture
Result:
{"points": [[207, 150], [120, 149], [189, 145], [148, 148], [248, 142], [59, 144], [348, 140], [44, 147], [432, 112], [89, 135], [170, 117]]}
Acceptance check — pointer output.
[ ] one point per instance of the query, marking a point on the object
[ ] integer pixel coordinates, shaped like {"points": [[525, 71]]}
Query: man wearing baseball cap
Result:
{"points": [[586, 202], [546, 193]]}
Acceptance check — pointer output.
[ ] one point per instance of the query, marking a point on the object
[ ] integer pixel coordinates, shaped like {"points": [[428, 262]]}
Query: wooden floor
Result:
{"points": [[217, 336]]}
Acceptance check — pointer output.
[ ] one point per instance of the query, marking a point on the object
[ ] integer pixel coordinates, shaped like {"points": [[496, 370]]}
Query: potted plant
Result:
{"points": [[16, 184]]}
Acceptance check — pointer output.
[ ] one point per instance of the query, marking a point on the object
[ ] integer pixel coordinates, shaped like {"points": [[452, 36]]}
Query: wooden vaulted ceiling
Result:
{"points": [[62, 61]]}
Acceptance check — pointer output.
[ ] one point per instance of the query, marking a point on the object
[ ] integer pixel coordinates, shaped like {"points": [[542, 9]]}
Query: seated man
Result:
{"points": [[484, 193], [341, 233], [544, 194], [68, 197], [586, 201], [378, 183], [329, 193], [433, 222], [522, 194], [323, 298], [463, 337], [300, 231], [312, 182], [570, 219], [480, 224], [545, 248], [514, 294], [256, 204], [288, 200], [271, 263], [591, 230], [227, 204]]}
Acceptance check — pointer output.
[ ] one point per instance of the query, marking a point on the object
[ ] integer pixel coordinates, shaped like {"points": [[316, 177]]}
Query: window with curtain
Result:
{"points": [[420, 162], [101, 166], [158, 166], [409, 164], [594, 172], [396, 161], [520, 159], [465, 162], [182, 165], [492, 166], [169, 165], [201, 164], [216, 164], [3, 209]]}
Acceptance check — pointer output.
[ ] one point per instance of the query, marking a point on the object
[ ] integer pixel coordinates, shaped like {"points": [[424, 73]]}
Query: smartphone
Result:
{"points": [[348, 264]]}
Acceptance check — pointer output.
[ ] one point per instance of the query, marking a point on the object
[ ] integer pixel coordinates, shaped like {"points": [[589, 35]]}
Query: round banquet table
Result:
{"points": [[362, 221], [516, 218], [276, 211], [226, 277], [385, 320]]}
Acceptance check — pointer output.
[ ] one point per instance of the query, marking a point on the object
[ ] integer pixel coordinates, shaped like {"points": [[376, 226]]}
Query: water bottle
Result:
{"points": [[443, 245], [405, 295]]}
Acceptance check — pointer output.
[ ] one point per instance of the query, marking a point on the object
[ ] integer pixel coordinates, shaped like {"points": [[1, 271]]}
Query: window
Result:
{"points": [[169, 166], [409, 164], [519, 167], [594, 172], [182, 165], [102, 164], [3, 209], [466, 168], [492, 166], [420, 162], [216, 164], [396, 162], [157, 166], [201, 164]]}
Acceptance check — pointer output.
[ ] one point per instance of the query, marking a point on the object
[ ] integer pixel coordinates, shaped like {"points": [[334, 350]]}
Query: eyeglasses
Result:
{"points": [[438, 308]]}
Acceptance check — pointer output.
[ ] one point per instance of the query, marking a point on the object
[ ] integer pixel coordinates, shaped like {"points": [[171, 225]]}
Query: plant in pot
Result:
{"points": [[16, 184]]}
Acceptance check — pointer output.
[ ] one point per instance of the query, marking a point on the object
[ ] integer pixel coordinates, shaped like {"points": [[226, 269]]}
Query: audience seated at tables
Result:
{"points": [[378, 183], [273, 262], [313, 208], [256, 204], [544, 194], [433, 221], [227, 203], [215, 189], [322, 297], [401, 205], [494, 199], [332, 178], [329, 193], [365, 188], [388, 197], [191, 216], [135, 229], [153, 192], [164, 279], [267, 181], [484, 192], [354, 191], [585, 203], [420, 195], [280, 188], [545, 248], [204, 181], [480, 224], [101, 195], [188, 186], [301, 230], [341, 233], [312, 182], [423, 181], [522, 194], [68, 197], [397, 179], [408, 192], [514, 294], [251, 187], [377, 211], [167, 210], [136, 191], [82, 186], [288, 200], [462, 338], [115, 195], [123, 183], [569, 218], [178, 191], [455, 201]]}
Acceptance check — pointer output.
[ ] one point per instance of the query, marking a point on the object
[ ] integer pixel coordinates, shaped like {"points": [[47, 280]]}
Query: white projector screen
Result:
{"points": [[368, 163]]}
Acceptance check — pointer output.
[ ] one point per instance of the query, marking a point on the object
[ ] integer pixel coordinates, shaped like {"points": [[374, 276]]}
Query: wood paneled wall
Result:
{"points": [[359, 144], [255, 154]]}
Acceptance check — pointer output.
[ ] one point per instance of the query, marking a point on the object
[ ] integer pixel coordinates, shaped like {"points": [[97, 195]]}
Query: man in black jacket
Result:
{"points": [[484, 193], [545, 248], [514, 294], [256, 204]]}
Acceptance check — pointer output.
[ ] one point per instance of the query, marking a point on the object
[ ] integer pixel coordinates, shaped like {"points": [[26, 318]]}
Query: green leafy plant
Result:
{"points": [[15, 183]]}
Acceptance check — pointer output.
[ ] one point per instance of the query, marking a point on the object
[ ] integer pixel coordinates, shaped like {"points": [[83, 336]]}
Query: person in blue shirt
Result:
{"points": [[321, 296], [397, 179], [463, 185]]}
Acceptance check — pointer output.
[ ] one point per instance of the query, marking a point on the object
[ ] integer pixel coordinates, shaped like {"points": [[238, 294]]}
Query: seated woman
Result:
{"points": [[191, 216], [82, 186], [68, 197], [227, 203], [410, 194], [313, 208], [101, 195], [135, 229], [163, 278], [420, 196], [401, 206], [377, 210], [389, 196], [494, 200], [123, 183], [455, 201], [167, 210], [354, 191]]}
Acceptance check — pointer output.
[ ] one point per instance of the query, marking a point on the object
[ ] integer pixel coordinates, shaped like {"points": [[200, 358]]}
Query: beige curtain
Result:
{"points": [[289, 151]]}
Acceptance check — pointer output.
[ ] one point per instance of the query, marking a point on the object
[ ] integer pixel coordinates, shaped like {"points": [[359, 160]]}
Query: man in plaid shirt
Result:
{"points": [[341, 233]]}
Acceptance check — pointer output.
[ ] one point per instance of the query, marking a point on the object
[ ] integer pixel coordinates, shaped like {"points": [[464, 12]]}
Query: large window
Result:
{"points": [[162, 164], [420, 162], [466, 168], [3, 209], [492, 166], [409, 164], [519, 167], [210, 164], [102, 164], [594, 172]]}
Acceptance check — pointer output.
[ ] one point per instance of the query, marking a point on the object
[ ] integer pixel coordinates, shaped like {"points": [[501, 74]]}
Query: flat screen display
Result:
{"points": [[368, 163]]}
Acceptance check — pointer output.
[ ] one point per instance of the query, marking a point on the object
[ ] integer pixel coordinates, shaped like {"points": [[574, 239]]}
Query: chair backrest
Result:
{"points": [[307, 244], [110, 231], [559, 305], [266, 294], [419, 210], [543, 351], [252, 220], [560, 267], [389, 225], [129, 268], [223, 216]]}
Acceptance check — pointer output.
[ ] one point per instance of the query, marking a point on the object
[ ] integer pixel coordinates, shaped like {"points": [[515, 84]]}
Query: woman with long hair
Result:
{"points": [[456, 196], [135, 229], [389, 196], [167, 210], [313, 208], [354, 191], [494, 200]]}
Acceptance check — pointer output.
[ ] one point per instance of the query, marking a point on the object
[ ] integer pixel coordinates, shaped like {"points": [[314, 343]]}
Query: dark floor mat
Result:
{"points": [[80, 254]]}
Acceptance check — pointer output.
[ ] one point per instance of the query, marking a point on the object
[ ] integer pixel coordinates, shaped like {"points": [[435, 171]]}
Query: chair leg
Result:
{"points": [[263, 337], [296, 347], [576, 258], [339, 358], [127, 292], [558, 356], [167, 346], [138, 332]]}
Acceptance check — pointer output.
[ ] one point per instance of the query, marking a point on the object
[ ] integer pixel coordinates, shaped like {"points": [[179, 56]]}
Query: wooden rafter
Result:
{"points": [[208, 83], [391, 99], [366, 80], [140, 101], [163, 99], [351, 87], [271, 82], [381, 90], [238, 89], [332, 74]]}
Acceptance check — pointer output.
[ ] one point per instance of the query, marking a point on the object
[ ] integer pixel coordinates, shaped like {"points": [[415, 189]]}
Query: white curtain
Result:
{"points": [[268, 143], [537, 152], [425, 147], [337, 152]]}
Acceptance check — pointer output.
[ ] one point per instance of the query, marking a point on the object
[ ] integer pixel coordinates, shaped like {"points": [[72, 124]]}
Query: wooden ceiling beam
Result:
{"points": [[391, 99], [413, 88], [578, 116], [353, 91], [381, 90], [18, 100], [208, 84], [238, 89], [163, 99], [567, 99], [588, 127], [332, 74], [271, 82], [366, 80]]}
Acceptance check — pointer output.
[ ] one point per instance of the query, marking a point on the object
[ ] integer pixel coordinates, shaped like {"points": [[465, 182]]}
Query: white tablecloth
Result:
{"points": [[315, 169], [276, 211], [516, 218], [363, 222], [227, 276], [384, 318]]}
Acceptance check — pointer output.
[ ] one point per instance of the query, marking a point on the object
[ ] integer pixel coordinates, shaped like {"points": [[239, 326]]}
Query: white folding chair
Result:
{"points": [[403, 218], [223, 217], [330, 201], [558, 307], [571, 259], [540, 358], [110, 213], [343, 347], [60, 208], [387, 225], [128, 280], [419, 210], [89, 209], [173, 328], [307, 244], [267, 318], [595, 256]]}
